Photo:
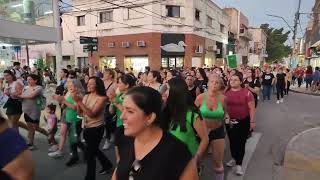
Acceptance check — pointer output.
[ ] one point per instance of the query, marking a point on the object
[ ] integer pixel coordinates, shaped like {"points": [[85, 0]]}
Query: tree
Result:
{"points": [[276, 39]]}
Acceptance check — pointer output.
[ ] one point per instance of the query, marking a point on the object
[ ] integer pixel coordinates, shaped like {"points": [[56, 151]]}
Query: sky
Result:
{"points": [[256, 11]]}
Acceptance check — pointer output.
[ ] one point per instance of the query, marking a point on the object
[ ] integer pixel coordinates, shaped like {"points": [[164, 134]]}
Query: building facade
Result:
{"points": [[312, 38], [135, 34], [258, 46], [239, 35], [24, 22]]}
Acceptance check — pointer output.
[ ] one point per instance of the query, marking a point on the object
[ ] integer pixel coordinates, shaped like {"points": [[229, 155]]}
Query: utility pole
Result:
{"points": [[56, 14], [296, 19]]}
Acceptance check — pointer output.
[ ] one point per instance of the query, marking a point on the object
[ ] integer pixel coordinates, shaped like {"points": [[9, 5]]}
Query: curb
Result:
{"points": [[311, 168], [299, 92]]}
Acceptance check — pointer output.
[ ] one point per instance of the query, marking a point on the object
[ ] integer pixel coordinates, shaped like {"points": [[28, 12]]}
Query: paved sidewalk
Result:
{"points": [[303, 90]]}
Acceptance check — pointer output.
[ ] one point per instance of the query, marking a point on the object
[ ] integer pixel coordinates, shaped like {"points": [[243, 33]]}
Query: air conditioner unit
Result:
{"points": [[125, 44], [218, 51], [111, 45], [199, 49], [141, 43], [214, 47]]}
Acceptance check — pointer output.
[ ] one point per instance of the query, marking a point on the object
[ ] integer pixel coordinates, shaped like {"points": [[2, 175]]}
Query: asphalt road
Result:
{"points": [[276, 125]]}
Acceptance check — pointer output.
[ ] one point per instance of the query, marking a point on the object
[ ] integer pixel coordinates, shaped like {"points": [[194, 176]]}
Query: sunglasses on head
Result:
{"points": [[135, 169]]}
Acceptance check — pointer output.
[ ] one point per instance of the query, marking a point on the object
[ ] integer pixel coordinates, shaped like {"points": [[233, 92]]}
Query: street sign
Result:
{"points": [[88, 40], [90, 48]]}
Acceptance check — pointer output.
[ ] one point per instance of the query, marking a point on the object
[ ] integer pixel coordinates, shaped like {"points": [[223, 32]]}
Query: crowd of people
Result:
{"points": [[161, 123]]}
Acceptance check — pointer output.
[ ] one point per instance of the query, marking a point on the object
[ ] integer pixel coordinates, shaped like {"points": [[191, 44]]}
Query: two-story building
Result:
{"points": [[168, 33], [257, 48], [239, 35]]}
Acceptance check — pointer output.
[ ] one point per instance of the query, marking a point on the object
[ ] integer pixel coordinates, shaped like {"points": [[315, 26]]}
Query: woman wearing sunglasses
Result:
{"points": [[146, 151]]}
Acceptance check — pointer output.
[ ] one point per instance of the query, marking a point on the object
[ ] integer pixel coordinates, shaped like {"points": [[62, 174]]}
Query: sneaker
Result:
{"points": [[31, 147], [55, 154], [239, 171], [53, 148], [72, 161], [231, 163], [106, 145], [281, 100], [278, 102]]}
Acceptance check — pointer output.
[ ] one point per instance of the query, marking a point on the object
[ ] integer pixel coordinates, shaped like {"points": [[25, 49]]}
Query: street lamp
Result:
{"points": [[294, 39], [276, 16]]}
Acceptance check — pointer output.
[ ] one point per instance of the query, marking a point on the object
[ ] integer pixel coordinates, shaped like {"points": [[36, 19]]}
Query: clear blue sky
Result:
{"points": [[256, 11]]}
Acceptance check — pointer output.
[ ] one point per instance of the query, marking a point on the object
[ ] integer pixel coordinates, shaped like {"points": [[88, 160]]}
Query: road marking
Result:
{"points": [[250, 148]]}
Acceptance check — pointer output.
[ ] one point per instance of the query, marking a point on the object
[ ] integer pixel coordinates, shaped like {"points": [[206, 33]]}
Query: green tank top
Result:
{"points": [[217, 114], [119, 100], [71, 114], [189, 137]]}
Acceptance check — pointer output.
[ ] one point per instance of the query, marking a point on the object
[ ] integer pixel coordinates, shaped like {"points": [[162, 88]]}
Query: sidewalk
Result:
{"points": [[303, 90]]}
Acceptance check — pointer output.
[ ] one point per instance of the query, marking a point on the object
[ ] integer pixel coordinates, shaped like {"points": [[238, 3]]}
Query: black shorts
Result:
{"points": [[118, 135], [30, 120], [218, 133]]}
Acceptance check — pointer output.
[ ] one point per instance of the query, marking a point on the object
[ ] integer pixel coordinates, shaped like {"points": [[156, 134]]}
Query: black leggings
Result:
{"points": [[287, 88], [280, 91], [93, 137], [238, 135]]}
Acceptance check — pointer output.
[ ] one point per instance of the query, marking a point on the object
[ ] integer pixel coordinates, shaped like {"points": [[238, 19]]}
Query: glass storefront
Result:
{"points": [[108, 61], [172, 62], [137, 63], [35, 12]]}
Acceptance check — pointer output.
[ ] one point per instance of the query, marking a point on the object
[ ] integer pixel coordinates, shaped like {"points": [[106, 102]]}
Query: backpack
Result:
{"points": [[42, 102]]}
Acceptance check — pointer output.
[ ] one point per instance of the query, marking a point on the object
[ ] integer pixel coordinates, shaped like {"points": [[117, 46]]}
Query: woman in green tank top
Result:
{"points": [[185, 122], [125, 82], [212, 108]]}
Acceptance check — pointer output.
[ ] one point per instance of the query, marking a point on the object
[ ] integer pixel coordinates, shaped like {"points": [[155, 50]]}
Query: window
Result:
{"points": [[209, 21], [197, 15], [173, 11], [81, 21], [222, 28], [242, 30], [105, 16]]}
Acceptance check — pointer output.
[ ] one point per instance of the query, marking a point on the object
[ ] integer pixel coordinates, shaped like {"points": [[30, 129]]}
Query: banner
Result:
{"points": [[232, 61]]}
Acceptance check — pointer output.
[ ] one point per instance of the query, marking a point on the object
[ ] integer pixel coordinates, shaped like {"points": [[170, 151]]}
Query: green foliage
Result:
{"points": [[276, 39]]}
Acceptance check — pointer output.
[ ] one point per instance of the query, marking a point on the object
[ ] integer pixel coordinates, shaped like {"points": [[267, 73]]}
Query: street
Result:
{"points": [[277, 124]]}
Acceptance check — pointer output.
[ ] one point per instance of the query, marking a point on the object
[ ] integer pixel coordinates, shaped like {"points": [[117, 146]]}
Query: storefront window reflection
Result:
{"points": [[36, 12], [109, 62], [137, 63], [172, 62]]}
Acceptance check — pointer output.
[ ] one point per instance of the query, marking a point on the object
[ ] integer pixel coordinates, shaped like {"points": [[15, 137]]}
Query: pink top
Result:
{"points": [[51, 120], [237, 103]]}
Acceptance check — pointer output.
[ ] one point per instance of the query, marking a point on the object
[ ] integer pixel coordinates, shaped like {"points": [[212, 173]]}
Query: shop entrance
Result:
{"points": [[172, 62], [138, 63]]}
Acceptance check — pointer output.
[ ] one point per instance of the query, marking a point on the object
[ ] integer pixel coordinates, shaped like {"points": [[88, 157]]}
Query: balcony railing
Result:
{"points": [[246, 35]]}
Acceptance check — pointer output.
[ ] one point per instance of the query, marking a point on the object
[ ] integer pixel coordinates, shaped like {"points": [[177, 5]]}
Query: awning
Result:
{"points": [[316, 44]]}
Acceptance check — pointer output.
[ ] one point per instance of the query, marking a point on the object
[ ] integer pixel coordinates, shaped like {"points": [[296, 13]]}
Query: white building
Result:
{"points": [[131, 32], [258, 45]]}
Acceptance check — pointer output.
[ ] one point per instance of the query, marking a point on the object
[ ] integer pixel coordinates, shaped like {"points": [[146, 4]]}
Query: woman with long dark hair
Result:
{"points": [[91, 106], [13, 105], [125, 82], [146, 150], [242, 112], [31, 106], [202, 80], [252, 83], [281, 83], [185, 121], [154, 80]]}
